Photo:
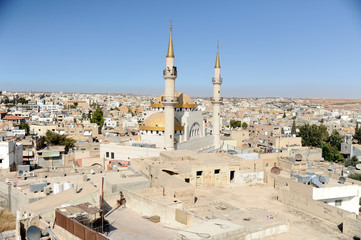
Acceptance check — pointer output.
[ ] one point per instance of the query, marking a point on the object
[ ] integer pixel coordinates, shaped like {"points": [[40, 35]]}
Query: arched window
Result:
{"points": [[194, 131]]}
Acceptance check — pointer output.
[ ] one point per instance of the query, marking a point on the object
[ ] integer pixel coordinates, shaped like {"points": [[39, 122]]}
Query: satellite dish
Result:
{"points": [[330, 168], [298, 157], [358, 166], [33, 233], [342, 180], [275, 170]]}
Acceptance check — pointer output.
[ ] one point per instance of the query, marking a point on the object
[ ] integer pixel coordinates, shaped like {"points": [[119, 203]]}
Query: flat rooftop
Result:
{"points": [[127, 224]]}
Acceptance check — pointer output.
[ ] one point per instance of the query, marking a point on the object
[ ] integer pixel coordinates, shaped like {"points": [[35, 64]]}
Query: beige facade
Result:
{"points": [[77, 130], [286, 142], [241, 137]]}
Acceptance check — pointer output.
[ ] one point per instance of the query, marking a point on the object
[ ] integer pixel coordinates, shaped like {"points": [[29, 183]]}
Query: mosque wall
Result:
{"points": [[197, 144]]}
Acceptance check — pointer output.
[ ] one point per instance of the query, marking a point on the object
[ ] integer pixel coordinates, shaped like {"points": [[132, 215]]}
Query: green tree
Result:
{"points": [[97, 117], [313, 135], [293, 128], [244, 125], [335, 139], [26, 127], [330, 153], [352, 162], [357, 135], [326, 152], [22, 100], [284, 115], [52, 138], [235, 124]]}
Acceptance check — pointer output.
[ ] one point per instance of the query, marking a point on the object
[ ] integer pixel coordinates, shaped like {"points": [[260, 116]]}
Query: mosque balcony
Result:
{"points": [[220, 80], [172, 73], [220, 99], [169, 99]]}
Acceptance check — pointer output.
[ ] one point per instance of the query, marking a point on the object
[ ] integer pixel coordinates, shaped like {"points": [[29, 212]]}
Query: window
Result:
{"points": [[199, 173], [112, 155], [107, 154], [338, 203], [216, 171], [186, 180]]}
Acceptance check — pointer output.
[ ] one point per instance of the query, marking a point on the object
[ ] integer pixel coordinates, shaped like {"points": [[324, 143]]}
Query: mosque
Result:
{"points": [[174, 122]]}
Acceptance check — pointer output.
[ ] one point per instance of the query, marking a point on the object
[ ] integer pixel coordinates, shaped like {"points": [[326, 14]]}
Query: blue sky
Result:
{"points": [[305, 48]]}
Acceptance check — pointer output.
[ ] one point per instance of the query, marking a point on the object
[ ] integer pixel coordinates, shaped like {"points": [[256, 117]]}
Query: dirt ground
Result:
{"points": [[301, 225]]}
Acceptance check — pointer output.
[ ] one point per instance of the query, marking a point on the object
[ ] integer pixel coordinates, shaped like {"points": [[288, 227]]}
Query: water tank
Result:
{"points": [[58, 187], [33, 233], [68, 185]]}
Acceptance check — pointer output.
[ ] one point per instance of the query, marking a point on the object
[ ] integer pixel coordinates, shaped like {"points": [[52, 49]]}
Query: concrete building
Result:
{"points": [[11, 155]]}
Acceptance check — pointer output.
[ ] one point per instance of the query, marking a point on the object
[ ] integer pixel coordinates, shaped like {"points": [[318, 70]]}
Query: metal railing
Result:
{"points": [[220, 99], [170, 72], [215, 81]]}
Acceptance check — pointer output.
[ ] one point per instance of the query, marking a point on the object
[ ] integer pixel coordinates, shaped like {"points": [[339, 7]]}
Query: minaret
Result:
{"points": [[217, 101], [169, 100]]}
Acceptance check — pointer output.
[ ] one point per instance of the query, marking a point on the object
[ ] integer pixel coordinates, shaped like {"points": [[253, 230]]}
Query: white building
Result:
{"points": [[345, 197], [108, 122], [11, 154]]}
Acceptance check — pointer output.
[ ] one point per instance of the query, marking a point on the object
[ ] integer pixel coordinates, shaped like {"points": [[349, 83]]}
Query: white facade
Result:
{"points": [[114, 151], [10, 153], [18, 132], [110, 123], [49, 107], [345, 197]]}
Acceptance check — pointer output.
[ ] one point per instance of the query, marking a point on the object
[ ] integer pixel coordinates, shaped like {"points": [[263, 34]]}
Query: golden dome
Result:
{"points": [[183, 101], [155, 122]]}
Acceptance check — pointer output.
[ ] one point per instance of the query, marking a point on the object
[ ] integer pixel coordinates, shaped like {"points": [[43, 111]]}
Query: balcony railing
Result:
{"points": [[170, 72], [215, 81], [169, 99], [217, 100]]}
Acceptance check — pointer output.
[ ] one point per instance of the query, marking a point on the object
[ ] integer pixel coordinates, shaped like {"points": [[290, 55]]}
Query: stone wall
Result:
{"points": [[314, 207], [169, 214], [352, 227], [15, 198], [289, 184]]}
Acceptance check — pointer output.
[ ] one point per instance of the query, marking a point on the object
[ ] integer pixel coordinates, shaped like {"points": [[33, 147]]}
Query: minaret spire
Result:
{"points": [[170, 45], [218, 63]]}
